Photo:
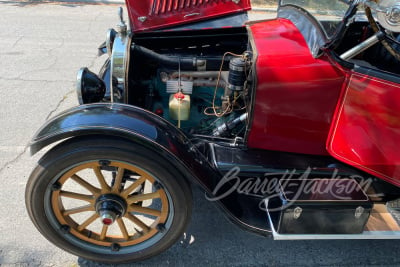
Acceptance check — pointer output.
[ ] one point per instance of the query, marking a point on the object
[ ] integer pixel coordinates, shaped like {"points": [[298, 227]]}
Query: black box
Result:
{"points": [[320, 206]]}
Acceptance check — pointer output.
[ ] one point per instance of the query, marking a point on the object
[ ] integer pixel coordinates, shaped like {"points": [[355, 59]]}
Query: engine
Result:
{"points": [[199, 81]]}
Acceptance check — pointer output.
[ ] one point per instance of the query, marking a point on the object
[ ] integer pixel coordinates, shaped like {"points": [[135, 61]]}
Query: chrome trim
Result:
{"points": [[235, 87], [79, 85], [213, 157], [364, 235], [237, 68], [374, 39], [121, 27], [119, 60], [111, 33], [191, 15], [119, 67]]}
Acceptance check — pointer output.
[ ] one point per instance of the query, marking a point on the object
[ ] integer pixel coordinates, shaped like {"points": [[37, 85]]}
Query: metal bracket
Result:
{"points": [[297, 212], [121, 27], [359, 211]]}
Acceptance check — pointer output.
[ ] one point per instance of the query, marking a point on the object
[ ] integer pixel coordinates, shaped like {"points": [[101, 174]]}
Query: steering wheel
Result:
{"points": [[388, 14]]}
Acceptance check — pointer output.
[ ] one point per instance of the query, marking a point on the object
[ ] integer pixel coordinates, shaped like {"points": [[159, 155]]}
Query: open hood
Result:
{"points": [[147, 15]]}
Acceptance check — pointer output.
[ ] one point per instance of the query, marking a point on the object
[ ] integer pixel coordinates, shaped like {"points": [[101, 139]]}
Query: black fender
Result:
{"points": [[147, 129], [134, 124]]}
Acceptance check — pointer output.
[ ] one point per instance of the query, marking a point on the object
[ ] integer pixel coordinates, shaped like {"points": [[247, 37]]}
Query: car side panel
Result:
{"points": [[296, 94], [366, 133]]}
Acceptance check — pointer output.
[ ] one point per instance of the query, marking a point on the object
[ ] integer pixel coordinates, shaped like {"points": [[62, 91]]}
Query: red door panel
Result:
{"points": [[366, 133], [156, 14]]}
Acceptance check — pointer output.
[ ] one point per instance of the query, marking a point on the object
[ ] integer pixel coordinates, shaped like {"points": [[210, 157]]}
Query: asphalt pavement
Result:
{"points": [[41, 48]]}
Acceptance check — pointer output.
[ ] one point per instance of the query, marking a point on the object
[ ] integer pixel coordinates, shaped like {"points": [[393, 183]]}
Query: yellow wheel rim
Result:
{"points": [[74, 196]]}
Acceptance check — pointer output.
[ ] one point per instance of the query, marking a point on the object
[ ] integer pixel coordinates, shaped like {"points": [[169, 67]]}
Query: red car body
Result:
{"points": [[295, 106]]}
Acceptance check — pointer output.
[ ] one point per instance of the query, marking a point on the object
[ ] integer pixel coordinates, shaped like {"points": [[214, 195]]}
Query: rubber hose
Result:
{"points": [[166, 61]]}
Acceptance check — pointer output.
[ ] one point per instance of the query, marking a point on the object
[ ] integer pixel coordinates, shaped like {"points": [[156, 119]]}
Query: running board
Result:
{"points": [[381, 225]]}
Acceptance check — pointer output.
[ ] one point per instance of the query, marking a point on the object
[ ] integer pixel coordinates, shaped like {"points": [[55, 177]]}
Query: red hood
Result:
{"points": [[147, 15]]}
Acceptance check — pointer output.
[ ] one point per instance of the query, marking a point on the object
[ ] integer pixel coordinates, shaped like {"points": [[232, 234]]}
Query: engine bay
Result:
{"points": [[197, 80]]}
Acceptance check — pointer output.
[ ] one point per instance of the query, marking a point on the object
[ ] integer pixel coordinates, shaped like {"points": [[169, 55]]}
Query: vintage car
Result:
{"points": [[290, 125]]}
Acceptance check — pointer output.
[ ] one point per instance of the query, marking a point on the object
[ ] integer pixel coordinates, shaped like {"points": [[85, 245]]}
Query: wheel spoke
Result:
{"points": [[133, 186], [118, 180], [119, 190], [103, 232], [88, 222], [103, 184], [140, 209], [78, 210], [74, 195], [123, 229], [89, 187], [138, 222], [143, 197]]}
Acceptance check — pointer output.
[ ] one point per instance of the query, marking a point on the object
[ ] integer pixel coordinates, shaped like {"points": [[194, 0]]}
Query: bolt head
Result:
{"points": [[107, 217]]}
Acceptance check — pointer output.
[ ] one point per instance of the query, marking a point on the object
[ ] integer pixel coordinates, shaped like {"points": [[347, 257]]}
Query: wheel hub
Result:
{"points": [[110, 207]]}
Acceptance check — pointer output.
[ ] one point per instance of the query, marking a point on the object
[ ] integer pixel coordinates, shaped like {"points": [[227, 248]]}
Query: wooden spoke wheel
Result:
{"points": [[108, 200]]}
